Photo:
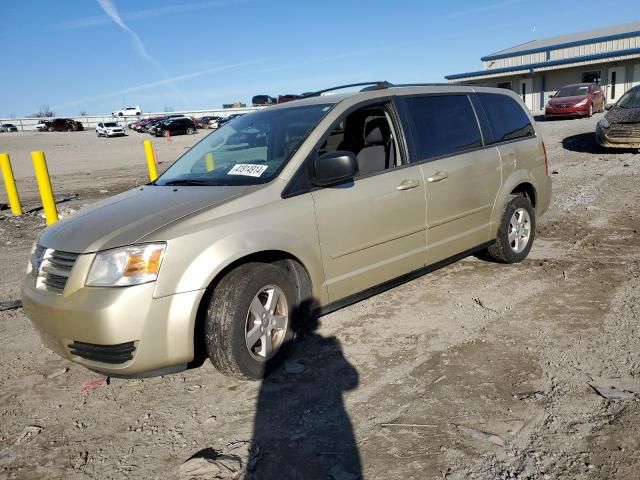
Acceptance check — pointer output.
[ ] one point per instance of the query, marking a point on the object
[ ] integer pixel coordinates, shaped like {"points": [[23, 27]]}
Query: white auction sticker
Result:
{"points": [[247, 169]]}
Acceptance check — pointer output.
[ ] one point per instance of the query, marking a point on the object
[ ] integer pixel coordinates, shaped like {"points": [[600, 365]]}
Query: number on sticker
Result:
{"points": [[247, 169]]}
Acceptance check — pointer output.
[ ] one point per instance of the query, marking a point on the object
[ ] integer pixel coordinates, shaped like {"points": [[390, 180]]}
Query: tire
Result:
{"points": [[50, 129], [189, 131], [518, 213], [97, 134], [231, 319], [166, 133]]}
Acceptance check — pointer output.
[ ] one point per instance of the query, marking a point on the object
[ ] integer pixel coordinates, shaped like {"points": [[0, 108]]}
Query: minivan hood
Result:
{"points": [[126, 218], [623, 115]]}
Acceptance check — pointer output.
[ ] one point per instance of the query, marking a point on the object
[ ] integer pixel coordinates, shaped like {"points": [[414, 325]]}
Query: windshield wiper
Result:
{"points": [[187, 182]]}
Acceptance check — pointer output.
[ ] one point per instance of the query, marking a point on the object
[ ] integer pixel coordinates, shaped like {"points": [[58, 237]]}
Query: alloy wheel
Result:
{"points": [[519, 230], [267, 322]]}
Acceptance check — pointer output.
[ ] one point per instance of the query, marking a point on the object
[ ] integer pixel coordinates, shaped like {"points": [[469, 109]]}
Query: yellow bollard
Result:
{"points": [[10, 184], [44, 184], [151, 160], [209, 162]]}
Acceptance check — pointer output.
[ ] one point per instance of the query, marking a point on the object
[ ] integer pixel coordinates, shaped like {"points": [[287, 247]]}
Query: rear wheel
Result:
{"points": [[248, 325], [516, 231], [190, 131]]}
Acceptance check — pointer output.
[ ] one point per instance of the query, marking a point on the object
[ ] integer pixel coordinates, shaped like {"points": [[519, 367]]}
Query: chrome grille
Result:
{"points": [[52, 268], [624, 130]]}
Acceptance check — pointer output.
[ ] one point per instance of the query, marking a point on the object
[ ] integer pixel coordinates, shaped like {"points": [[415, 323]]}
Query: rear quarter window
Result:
{"points": [[442, 125], [507, 119]]}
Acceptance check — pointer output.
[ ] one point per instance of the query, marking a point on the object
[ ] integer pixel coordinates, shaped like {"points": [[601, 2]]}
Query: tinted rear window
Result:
{"points": [[506, 117], [443, 125]]}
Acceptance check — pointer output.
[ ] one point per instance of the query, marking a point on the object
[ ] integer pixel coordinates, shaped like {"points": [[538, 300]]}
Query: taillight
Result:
{"points": [[546, 160]]}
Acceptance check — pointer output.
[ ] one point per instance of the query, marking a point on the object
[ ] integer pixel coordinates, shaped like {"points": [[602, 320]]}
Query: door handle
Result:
{"points": [[408, 184], [436, 177]]}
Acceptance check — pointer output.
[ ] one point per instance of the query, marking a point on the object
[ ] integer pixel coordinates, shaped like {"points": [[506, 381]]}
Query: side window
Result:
{"points": [[506, 117], [368, 134], [442, 125]]}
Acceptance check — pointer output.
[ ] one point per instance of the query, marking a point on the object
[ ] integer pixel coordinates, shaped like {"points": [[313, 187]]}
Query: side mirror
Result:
{"points": [[333, 168], [608, 107]]}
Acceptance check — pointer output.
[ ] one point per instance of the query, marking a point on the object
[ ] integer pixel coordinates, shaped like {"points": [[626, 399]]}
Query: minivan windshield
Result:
{"points": [[572, 91], [631, 99], [247, 150]]}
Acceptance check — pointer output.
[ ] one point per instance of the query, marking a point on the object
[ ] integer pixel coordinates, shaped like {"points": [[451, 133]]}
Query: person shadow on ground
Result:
{"points": [[301, 427]]}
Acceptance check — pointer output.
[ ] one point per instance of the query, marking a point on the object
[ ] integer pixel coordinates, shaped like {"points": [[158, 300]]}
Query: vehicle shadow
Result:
{"points": [[301, 427], [582, 143]]}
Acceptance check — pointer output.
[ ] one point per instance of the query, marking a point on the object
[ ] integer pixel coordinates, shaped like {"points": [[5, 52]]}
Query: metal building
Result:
{"points": [[535, 70]]}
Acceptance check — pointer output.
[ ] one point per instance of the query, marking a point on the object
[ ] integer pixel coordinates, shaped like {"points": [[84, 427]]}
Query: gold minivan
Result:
{"points": [[286, 213]]}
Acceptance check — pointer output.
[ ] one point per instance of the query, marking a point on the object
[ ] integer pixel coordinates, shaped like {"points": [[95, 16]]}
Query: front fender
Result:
{"points": [[192, 261]]}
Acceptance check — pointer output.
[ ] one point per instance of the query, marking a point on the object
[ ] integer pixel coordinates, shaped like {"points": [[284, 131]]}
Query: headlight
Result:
{"points": [[582, 102], [125, 266], [604, 123]]}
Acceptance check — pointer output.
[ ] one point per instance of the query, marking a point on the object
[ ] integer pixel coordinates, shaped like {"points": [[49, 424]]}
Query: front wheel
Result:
{"points": [[248, 325], [516, 231], [190, 131]]}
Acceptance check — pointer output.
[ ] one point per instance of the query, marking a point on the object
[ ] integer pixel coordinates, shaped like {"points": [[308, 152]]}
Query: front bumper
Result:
{"points": [[111, 133], [605, 140], [572, 111], [156, 333]]}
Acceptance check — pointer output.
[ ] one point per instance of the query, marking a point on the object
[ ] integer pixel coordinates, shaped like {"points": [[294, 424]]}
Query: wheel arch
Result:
{"points": [[519, 183], [285, 260]]}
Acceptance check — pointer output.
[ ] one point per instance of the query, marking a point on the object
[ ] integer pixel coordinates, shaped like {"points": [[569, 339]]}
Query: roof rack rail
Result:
{"points": [[369, 86], [381, 85], [437, 84]]}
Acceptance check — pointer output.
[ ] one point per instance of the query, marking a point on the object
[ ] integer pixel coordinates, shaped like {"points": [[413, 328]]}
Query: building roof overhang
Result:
{"points": [[541, 66]]}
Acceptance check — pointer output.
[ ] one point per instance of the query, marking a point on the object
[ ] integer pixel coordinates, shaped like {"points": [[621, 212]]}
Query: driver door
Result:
{"points": [[372, 229]]}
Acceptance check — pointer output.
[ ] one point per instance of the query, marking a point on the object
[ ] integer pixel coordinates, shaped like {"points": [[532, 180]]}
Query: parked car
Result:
{"points": [[579, 100], [64, 125], [8, 127], [128, 112], [141, 125], [224, 120], [204, 122], [262, 100], [175, 126], [288, 98], [42, 125], [283, 214], [109, 129], [620, 127]]}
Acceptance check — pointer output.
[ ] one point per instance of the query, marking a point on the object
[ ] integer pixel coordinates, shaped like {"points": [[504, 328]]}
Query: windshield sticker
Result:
{"points": [[247, 169]]}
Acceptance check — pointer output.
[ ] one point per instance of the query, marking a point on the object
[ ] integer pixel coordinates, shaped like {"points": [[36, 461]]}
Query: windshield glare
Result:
{"points": [[631, 99], [247, 150], [572, 91]]}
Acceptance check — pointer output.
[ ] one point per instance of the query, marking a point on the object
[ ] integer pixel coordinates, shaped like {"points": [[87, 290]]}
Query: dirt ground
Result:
{"points": [[476, 371]]}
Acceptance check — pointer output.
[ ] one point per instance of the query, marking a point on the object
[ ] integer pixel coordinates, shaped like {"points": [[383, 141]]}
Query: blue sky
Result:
{"points": [[99, 55]]}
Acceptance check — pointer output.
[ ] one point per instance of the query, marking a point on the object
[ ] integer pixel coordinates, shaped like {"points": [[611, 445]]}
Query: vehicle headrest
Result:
{"points": [[376, 132]]}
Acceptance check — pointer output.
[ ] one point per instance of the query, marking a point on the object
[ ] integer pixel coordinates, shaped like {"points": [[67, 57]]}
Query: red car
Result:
{"points": [[287, 98], [578, 100]]}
